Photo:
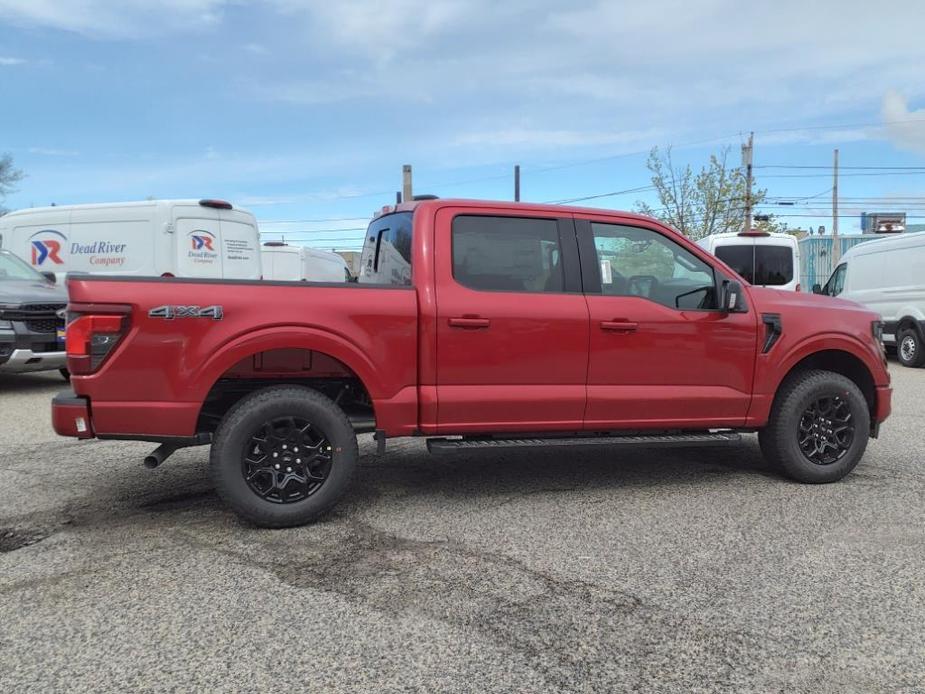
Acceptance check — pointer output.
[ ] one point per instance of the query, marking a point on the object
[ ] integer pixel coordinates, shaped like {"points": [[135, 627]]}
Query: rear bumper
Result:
{"points": [[26, 361], [70, 415]]}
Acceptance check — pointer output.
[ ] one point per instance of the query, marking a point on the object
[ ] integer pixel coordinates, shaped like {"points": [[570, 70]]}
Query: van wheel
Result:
{"points": [[283, 456], [909, 348], [818, 428]]}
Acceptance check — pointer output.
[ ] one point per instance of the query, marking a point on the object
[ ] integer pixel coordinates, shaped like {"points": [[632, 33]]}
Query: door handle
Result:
{"points": [[619, 326], [469, 323]]}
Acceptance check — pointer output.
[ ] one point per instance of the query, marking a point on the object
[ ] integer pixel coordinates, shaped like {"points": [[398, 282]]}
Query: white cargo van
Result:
{"points": [[283, 262], [171, 238], [762, 258], [888, 276]]}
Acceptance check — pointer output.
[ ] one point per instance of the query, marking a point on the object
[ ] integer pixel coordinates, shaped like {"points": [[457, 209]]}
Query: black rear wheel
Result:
{"points": [[818, 429], [909, 348], [282, 456]]}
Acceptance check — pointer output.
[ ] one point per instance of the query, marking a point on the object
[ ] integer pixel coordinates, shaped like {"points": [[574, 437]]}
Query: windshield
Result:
{"points": [[12, 268], [761, 265]]}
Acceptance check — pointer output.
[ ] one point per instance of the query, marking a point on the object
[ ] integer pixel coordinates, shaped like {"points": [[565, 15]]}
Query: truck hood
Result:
{"points": [[779, 301], [28, 292]]}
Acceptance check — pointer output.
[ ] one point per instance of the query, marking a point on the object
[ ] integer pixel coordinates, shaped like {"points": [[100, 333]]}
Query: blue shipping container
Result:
{"points": [[816, 256]]}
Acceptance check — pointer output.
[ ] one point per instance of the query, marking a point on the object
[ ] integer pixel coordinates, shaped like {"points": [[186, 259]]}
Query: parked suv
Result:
{"points": [[31, 319]]}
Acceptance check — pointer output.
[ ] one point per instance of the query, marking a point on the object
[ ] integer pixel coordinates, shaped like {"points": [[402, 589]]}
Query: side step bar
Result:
{"points": [[719, 438]]}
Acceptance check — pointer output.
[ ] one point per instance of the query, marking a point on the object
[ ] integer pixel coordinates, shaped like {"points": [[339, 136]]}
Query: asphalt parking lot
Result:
{"points": [[678, 570]]}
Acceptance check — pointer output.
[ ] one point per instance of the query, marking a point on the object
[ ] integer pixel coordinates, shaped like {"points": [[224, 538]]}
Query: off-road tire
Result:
{"points": [[779, 440], [917, 358], [240, 424]]}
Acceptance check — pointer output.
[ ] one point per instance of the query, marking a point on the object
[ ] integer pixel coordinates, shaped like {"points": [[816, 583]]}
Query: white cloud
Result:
{"points": [[7, 61], [904, 127], [539, 138], [53, 152], [113, 18]]}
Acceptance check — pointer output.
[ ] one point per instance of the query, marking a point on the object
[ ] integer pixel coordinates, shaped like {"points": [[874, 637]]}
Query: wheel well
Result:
{"points": [[305, 367], [908, 322], [843, 363]]}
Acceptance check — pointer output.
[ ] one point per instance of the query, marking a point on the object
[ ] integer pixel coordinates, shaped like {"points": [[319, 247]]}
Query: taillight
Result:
{"points": [[90, 339]]}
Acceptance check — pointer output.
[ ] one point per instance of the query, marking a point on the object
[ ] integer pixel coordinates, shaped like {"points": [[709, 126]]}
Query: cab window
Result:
{"points": [[641, 262], [518, 254], [387, 251]]}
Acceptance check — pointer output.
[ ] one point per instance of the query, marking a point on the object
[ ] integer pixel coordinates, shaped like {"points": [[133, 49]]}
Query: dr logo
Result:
{"points": [[202, 243], [46, 250]]}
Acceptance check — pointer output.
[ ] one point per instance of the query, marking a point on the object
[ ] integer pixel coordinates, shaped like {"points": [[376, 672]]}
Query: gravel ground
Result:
{"points": [[678, 570]]}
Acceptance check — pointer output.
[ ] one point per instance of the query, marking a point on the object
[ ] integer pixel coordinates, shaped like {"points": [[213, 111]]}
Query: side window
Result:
{"points": [[641, 262], [836, 283], [387, 251], [517, 254]]}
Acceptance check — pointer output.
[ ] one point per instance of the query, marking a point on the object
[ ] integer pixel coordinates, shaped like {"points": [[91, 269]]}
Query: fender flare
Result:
{"points": [[824, 342], [287, 337]]}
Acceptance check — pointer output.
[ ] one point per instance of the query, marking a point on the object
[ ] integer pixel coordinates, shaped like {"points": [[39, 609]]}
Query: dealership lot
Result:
{"points": [[594, 571]]}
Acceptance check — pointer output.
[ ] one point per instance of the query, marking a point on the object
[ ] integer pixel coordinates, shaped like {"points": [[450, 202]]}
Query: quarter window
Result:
{"points": [[387, 251], [641, 262], [516, 254]]}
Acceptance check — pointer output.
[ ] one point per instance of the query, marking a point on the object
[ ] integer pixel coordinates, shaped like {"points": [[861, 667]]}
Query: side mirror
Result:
{"points": [[729, 296], [817, 288], [51, 277]]}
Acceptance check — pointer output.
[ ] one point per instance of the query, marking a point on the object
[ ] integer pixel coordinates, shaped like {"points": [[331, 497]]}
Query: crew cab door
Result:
{"points": [[662, 354], [512, 324]]}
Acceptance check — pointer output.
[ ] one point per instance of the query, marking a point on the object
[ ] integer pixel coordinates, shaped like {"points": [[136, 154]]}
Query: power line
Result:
{"points": [[599, 195]]}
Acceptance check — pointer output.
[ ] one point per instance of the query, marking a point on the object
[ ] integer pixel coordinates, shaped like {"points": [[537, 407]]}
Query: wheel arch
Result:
{"points": [[837, 360], [323, 361]]}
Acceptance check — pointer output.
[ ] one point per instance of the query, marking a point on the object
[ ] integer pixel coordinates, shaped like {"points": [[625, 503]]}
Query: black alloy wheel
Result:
{"points": [[286, 460], [826, 430]]}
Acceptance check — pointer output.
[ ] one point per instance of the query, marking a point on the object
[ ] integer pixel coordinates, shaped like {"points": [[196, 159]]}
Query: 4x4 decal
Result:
{"points": [[171, 312]]}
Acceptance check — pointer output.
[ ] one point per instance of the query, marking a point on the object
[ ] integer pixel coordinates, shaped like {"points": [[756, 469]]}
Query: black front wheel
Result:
{"points": [[818, 429], [282, 456]]}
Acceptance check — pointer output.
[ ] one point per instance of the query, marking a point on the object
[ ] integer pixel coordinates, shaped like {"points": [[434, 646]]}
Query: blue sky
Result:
{"points": [[307, 110]]}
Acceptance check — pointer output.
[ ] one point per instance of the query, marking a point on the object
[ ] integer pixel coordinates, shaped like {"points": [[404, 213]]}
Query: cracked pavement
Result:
{"points": [[672, 570]]}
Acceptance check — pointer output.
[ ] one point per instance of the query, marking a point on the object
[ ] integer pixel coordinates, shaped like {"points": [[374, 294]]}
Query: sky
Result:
{"points": [[305, 110]]}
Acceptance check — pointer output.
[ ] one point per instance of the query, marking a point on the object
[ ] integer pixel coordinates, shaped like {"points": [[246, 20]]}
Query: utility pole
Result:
{"points": [[836, 247], [516, 182], [406, 192], [747, 164]]}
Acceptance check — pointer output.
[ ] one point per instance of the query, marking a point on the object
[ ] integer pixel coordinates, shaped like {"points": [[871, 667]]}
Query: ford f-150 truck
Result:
{"points": [[475, 324]]}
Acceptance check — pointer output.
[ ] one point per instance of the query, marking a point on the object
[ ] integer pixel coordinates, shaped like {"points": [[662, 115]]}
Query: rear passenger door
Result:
{"points": [[512, 323]]}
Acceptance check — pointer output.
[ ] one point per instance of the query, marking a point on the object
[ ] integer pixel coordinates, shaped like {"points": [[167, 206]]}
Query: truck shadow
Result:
{"points": [[546, 471]]}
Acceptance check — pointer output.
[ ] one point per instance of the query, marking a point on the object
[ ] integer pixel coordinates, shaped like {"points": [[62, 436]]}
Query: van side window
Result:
{"points": [[387, 251], [836, 282], [641, 262], [518, 254]]}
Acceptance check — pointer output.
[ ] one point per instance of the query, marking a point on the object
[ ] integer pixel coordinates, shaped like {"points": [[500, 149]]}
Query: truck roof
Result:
{"points": [[556, 210]]}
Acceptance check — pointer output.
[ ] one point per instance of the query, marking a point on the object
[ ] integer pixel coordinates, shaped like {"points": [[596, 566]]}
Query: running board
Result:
{"points": [[721, 438]]}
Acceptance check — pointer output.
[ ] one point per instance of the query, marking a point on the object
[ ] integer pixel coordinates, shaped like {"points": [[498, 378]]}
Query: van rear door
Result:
{"points": [[198, 243], [240, 245]]}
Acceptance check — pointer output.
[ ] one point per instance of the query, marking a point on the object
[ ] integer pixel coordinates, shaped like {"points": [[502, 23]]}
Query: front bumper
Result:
{"points": [[27, 361], [70, 415]]}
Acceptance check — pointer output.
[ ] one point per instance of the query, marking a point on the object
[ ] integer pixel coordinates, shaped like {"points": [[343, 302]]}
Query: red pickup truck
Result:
{"points": [[476, 324]]}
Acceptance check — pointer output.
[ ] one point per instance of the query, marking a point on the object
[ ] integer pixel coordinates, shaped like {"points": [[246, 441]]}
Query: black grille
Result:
{"points": [[45, 325], [39, 318], [43, 308]]}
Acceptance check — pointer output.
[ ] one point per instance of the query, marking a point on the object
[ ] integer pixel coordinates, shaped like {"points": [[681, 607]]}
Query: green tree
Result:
{"points": [[9, 177], [697, 204]]}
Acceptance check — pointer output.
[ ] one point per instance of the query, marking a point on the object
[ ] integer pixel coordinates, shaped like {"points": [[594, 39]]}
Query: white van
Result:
{"points": [[888, 276], [762, 258], [170, 238], [297, 263]]}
